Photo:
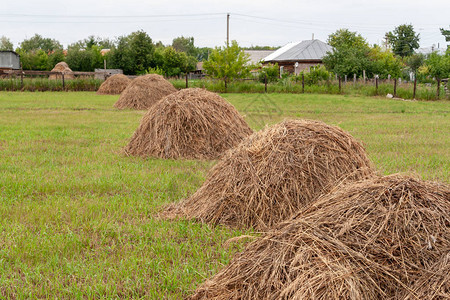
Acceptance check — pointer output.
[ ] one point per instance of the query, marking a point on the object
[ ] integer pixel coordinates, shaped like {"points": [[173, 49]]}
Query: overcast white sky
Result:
{"points": [[263, 22]]}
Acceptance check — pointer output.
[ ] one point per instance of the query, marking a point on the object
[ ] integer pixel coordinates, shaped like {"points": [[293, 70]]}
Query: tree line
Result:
{"points": [[135, 54]]}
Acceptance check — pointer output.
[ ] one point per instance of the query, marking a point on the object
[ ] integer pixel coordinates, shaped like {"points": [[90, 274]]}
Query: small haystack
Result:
{"points": [[274, 173], [367, 240], [192, 124], [62, 67], [114, 85], [144, 91]]}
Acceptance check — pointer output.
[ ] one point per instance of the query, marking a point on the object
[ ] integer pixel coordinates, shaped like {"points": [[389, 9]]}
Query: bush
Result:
{"points": [[271, 71]]}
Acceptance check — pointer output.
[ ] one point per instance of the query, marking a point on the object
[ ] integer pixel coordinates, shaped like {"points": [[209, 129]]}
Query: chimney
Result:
{"points": [[313, 36]]}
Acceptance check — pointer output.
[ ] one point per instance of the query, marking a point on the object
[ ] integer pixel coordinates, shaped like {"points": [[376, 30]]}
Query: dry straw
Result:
{"points": [[274, 173], [192, 124], [144, 91], [114, 85], [62, 67], [372, 239], [434, 284]]}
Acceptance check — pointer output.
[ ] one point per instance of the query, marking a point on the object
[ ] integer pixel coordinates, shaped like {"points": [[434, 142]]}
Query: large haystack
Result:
{"points": [[367, 240], [144, 91], [114, 85], [274, 173], [62, 67], [191, 123]]}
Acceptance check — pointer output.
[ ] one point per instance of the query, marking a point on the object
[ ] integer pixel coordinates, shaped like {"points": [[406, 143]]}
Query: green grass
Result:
{"points": [[78, 218]]}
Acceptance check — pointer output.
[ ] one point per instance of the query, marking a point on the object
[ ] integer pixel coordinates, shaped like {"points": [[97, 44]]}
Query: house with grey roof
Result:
{"points": [[298, 56]]}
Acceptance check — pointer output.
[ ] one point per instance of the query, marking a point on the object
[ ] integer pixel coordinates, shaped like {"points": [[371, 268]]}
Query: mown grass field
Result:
{"points": [[78, 218]]}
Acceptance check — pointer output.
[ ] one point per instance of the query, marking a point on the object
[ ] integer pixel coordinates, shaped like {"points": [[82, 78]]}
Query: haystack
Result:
{"points": [[114, 85], [191, 123], [274, 173], [367, 240], [144, 91], [62, 67]]}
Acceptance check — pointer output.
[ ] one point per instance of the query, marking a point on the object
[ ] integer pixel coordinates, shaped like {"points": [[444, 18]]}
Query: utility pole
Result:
{"points": [[228, 29]]}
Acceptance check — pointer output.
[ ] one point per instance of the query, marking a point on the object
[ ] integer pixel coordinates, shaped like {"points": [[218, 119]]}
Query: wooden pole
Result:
{"points": [[438, 88], [376, 85], [364, 76], [21, 80], [63, 82], [339, 77], [303, 82], [228, 29], [345, 79], [187, 84], [354, 79], [395, 87], [415, 87], [265, 83]]}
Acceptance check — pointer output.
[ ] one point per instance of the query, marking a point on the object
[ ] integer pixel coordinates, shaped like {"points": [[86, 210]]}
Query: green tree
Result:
{"points": [[185, 44], [403, 40], [384, 63], [54, 58], [6, 44], [33, 60], [439, 67], [350, 53], [85, 60], [227, 63], [134, 53], [38, 42], [344, 38], [446, 34]]}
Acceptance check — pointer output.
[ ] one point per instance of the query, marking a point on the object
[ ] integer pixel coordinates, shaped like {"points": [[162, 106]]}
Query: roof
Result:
{"points": [[256, 56], [9, 51], [298, 51]]}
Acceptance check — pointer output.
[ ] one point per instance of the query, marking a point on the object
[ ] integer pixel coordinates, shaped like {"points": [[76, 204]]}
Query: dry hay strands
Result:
{"points": [[114, 85], [274, 173], [368, 240], [62, 67], [189, 124], [144, 91], [434, 284]]}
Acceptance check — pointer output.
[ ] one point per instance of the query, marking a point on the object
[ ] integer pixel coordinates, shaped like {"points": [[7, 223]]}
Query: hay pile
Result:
{"points": [[114, 85], [62, 67], [144, 91], [435, 284], [368, 240], [191, 123], [274, 173]]}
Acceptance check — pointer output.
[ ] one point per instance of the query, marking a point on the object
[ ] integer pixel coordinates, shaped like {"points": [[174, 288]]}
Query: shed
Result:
{"points": [[298, 56], [9, 60]]}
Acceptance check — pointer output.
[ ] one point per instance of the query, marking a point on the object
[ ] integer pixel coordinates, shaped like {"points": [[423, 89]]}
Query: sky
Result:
{"points": [[263, 22]]}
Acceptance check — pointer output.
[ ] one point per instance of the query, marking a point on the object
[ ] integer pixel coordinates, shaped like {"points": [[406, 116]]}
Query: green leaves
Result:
{"points": [[403, 40], [227, 63]]}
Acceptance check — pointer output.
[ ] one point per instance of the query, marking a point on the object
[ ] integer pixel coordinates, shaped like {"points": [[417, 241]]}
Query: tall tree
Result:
{"points": [[38, 42], [349, 55], [185, 44], [134, 53], [5, 44], [227, 63], [403, 40], [344, 38], [446, 34]]}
